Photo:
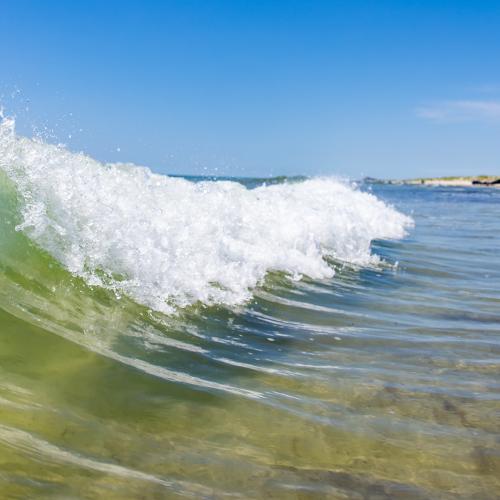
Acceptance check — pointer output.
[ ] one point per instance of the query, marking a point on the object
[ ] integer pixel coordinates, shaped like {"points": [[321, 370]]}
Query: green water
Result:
{"points": [[380, 382]]}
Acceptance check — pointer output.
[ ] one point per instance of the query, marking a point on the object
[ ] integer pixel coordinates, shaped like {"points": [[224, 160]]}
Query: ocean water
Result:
{"points": [[163, 337]]}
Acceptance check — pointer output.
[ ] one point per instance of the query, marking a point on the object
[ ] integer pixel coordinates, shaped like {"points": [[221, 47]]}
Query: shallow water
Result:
{"points": [[382, 381]]}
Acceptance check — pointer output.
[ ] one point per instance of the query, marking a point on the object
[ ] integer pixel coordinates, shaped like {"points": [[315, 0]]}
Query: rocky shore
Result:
{"points": [[480, 180]]}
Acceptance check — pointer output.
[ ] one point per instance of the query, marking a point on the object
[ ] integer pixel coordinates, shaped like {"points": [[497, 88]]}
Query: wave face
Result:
{"points": [[169, 242]]}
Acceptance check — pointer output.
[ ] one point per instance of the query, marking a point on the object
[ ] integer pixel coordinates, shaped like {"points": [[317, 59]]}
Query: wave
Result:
{"points": [[169, 242], [101, 392]]}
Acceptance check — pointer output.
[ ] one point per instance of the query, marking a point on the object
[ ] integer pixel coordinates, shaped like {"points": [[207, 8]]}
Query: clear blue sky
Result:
{"points": [[383, 88]]}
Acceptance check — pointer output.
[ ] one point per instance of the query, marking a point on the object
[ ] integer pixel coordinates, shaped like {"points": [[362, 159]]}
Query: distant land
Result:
{"points": [[477, 180]]}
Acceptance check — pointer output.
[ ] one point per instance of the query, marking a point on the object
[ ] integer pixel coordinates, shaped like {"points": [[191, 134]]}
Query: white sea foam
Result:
{"points": [[168, 242]]}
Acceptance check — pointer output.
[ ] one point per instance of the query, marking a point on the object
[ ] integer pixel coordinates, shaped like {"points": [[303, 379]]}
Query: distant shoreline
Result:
{"points": [[458, 181]]}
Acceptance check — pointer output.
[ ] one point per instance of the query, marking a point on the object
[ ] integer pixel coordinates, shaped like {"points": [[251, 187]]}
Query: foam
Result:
{"points": [[169, 242]]}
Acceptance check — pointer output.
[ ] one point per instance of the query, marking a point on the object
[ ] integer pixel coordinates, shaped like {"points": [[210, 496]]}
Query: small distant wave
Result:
{"points": [[250, 182], [169, 242]]}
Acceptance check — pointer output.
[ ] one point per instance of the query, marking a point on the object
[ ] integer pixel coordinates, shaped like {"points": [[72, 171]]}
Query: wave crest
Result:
{"points": [[168, 242]]}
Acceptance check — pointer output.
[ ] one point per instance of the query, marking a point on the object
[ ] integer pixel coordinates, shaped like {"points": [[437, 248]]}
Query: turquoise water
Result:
{"points": [[379, 381]]}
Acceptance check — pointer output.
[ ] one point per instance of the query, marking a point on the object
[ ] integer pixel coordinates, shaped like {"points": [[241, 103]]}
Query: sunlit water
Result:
{"points": [[381, 381]]}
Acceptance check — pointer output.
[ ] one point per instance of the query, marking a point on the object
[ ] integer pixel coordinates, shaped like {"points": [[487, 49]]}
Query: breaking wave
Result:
{"points": [[168, 242]]}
